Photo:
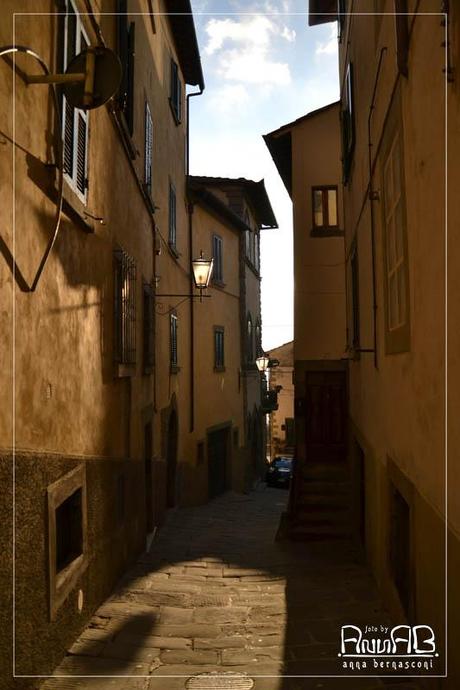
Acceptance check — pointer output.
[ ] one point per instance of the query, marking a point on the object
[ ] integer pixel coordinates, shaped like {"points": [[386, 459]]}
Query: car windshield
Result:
{"points": [[283, 462]]}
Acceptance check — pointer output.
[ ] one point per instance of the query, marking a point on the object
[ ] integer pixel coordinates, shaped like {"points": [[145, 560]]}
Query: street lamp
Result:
{"points": [[202, 271], [262, 363]]}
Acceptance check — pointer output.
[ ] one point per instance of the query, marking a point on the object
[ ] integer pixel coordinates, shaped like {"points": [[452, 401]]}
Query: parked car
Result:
{"points": [[279, 472]]}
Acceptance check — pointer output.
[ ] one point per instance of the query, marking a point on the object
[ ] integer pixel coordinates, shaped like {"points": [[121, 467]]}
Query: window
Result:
{"points": [[67, 535], [200, 453], [173, 360], [249, 244], [355, 297], [148, 329], [175, 96], [395, 251], [219, 360], [126, 51], [348, 124], [258, 338], [249, 340], [172, 216], [324, 205], [217, 271], [148, 149], [74, 120], [125, 308], [257, 250]]}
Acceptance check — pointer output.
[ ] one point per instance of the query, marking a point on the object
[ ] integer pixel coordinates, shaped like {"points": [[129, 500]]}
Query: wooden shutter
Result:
{"points": [[173, 342], [179, 98], [402, 36], [148, 148], [130, 95], [68, 114], [172, 215], [122, 49], [81, 153]]}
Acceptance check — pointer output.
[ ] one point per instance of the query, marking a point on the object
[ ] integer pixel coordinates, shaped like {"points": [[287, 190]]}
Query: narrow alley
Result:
{"points": [[217, 593]]}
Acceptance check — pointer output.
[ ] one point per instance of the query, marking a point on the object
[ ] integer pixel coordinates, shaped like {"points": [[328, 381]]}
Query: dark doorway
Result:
{"points": [[400, 547], [148, 478], [218, 451], [326, 416], [171, 460]]}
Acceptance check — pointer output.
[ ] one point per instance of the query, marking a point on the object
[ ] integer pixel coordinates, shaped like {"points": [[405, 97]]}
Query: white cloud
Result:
{"points": [[228, 98], [288, 34], [241, 50], [253, 67], [329, 46], [255, 31]]}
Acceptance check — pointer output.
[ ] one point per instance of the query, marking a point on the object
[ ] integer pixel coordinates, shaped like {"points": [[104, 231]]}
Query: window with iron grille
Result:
{"points": [[126, 50], [172, 216], [125, 308], [148, 329], [217, 255], [148, 149], [175, 95], [348, 124], [173, 357], [219, 356], [74, 120]]}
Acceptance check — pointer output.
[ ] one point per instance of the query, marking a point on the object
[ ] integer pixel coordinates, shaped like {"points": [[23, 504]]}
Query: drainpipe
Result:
{"points": [[373, 196], [190, 244]]}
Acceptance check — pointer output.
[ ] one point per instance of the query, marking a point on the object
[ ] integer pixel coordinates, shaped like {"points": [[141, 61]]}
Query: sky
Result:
{"points": [[263, 67]]}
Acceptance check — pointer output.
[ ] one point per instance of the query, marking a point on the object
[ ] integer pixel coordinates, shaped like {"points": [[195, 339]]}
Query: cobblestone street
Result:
{"points": [[217, 593]]}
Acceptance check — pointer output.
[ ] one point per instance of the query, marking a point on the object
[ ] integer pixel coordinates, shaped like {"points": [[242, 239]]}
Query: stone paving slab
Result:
{"points": [[216, 592]]}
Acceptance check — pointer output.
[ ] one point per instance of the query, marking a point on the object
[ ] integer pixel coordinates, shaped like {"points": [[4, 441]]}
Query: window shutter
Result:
{"points": [[130, 90], [173, 340], [81, 153], [402, 36], [179, 98], [148, 148], [68, 137], [122, 48]]}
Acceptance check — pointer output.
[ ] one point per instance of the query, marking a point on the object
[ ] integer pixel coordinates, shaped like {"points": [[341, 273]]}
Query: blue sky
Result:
{"points": [[263, 67]]}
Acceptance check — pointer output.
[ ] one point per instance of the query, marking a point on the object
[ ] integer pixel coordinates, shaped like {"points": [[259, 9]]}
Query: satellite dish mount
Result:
{"points": [[90, 80]]}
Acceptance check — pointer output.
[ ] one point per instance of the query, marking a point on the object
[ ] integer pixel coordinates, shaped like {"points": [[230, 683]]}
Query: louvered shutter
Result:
{"points": [[122, 49], [179, 98], [81, 154], [148, 148], [68, 114], [130, 102], [173, 354]]}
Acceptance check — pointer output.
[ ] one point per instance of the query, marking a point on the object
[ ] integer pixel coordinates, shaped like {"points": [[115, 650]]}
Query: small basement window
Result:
{"points": [[67, 535]]}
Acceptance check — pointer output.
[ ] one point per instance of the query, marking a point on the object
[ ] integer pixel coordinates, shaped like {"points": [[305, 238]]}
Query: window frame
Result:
{"points": [[347, 122], [148, 149], [63, 582], [78, 115], [125, 310], [218, 256], [249, 339], [219, 348], [325, 230], [125, 41], [397, 338], [173, 342], [175, 91], [172, 217]]}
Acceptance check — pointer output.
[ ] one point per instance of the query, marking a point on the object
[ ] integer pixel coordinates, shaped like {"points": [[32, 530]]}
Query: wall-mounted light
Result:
{"points": [[262, 363], [202, 272]]}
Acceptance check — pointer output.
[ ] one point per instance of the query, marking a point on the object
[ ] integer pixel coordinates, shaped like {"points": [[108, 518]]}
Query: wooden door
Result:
{"points": [[217, 461], [326, 415]]}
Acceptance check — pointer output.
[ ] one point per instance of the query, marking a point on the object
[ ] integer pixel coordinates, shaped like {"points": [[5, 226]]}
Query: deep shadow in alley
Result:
{"points": [[216, 592]]}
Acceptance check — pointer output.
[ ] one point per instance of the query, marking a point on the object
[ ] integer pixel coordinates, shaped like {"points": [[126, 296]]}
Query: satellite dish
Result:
{"points": [[103, 71]]}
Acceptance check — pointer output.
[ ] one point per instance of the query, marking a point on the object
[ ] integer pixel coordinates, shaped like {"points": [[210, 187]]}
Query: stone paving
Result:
{"points": [[217, 593]]}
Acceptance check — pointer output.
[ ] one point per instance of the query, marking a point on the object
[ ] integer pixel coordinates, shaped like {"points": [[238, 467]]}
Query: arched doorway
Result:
{"points": [[171, 460]]}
